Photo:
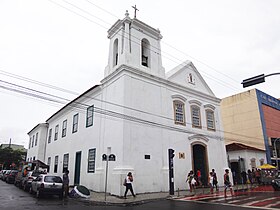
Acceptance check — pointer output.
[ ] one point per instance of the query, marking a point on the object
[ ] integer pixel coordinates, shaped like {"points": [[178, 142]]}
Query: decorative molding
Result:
{"points": [[209, 106], [177, 96], [198, 137], [195, 102]]}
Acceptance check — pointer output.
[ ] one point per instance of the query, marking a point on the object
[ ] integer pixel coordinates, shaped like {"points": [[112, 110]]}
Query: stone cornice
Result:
{"points": [[163, 81]]}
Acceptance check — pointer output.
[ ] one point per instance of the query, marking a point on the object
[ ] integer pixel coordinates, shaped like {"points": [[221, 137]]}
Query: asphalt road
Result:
{"points": [[14, 198]]}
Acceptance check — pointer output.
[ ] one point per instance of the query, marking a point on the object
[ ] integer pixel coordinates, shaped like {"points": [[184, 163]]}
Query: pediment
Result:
{"points": [[187, 75]]}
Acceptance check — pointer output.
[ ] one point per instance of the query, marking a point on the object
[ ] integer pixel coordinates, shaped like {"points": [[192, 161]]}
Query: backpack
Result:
{"points": [[124, 182]]}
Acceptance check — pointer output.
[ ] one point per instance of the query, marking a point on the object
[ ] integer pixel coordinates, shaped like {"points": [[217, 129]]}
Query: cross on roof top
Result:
{"points": [[135, 9]]}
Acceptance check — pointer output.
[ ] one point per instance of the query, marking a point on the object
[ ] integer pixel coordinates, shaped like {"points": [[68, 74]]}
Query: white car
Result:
{"points": [[46, 184]]}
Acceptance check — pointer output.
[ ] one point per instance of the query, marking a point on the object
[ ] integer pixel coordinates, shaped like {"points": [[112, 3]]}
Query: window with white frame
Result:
{"points": [[179, 112], [210, 119], [65, 162], [36, 139], [30, 140], [55, 164], [56, 132], [91, 160], [50, 136], [64, 127], [49, 164], [89, 119], [261, 161], [195, 112], [75, 123]]}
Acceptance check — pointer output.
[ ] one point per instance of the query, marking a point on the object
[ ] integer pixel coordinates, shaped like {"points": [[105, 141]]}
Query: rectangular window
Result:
{"points": [[210, 120], [195, 116], [64, 126], [55, 164], [50, 136], [65, 162], [32, 141], [91, 160], [36, 139], [89, 118], [34, 158], [56, 132], [75, 123], [49, 164], [179, 112]]}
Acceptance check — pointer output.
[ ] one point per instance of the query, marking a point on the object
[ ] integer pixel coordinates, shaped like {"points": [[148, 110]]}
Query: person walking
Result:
{"points": [[128, 184], [66, 183], [211, 182], [215, 180], [227, 183], [191, 181]]}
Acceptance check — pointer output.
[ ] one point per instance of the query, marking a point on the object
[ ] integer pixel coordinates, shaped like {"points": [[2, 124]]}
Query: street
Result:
{"points": [[13, 198]]}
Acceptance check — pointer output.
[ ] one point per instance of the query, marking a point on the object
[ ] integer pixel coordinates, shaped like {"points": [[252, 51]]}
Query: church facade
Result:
{"points": [[135, 115]]}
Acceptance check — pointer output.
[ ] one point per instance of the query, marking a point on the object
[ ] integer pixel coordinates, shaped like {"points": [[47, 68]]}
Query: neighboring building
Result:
{"points": [[13, 147], [252, 118], [37, 143], [242, 157], [137, 113]]}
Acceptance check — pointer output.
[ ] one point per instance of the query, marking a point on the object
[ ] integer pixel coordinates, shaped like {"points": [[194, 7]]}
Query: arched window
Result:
{"points": [[115, 52], [179, 112], [145, 48], [210, 120], [196, 119]]}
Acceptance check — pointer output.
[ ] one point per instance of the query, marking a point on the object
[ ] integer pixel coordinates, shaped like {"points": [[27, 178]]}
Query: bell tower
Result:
{"points": [[134, 44]]}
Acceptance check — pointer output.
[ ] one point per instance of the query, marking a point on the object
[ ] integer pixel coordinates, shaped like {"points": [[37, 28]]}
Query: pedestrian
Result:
{"points": [[191, 180], [258, 176], [210, 181], [215, 179], [227, 183], [198, 175], [66, 183], [250, 177], [244, 177], [128, 184]]}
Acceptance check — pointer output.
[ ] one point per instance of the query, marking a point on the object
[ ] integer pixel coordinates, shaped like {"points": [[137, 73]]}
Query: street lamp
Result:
{"points": [[274, 145], [256, 80]]}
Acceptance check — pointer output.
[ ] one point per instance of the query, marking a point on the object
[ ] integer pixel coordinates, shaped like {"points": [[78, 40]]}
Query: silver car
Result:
{"points": [[46, 184]]}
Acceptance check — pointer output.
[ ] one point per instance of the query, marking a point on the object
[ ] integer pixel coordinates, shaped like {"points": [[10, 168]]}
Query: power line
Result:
{"points": [[156, 48], [84, 96], [83, 106]]}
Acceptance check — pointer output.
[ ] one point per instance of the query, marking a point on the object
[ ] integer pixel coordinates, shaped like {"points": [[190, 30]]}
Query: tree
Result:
{"points": [[10, 158]]}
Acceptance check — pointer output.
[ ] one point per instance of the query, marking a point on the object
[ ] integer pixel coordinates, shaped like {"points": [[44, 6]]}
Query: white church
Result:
{"points": [[137, 112]]}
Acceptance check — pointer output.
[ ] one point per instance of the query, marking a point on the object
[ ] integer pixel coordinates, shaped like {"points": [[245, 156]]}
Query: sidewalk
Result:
{"points": [[97, 198]]}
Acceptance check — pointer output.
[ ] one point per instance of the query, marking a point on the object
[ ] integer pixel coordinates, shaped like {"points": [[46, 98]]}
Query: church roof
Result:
{"points": [[79, 97], [238, 146]]}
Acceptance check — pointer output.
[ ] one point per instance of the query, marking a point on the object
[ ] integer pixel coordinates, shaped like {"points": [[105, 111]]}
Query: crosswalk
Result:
{"points": [[244, 199]]}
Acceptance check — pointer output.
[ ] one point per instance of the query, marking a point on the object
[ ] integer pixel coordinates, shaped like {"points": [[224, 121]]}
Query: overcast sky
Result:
{"points": [[64, 43]]}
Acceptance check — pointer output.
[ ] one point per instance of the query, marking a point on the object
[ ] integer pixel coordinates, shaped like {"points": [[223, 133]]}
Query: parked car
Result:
{"points": [[276, 182], [2, 174], [5, 175], [10, 178], [46, 184], [27, 180]]}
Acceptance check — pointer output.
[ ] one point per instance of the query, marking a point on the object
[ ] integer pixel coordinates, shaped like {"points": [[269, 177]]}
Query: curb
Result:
{"points": [[105, 203]]}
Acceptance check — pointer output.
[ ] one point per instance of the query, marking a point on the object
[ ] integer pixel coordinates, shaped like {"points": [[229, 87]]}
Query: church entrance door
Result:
{"points": [[200, 162]]}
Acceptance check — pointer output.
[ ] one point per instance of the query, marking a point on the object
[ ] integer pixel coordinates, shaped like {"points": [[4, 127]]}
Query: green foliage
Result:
{"points": [[9, 156]]}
